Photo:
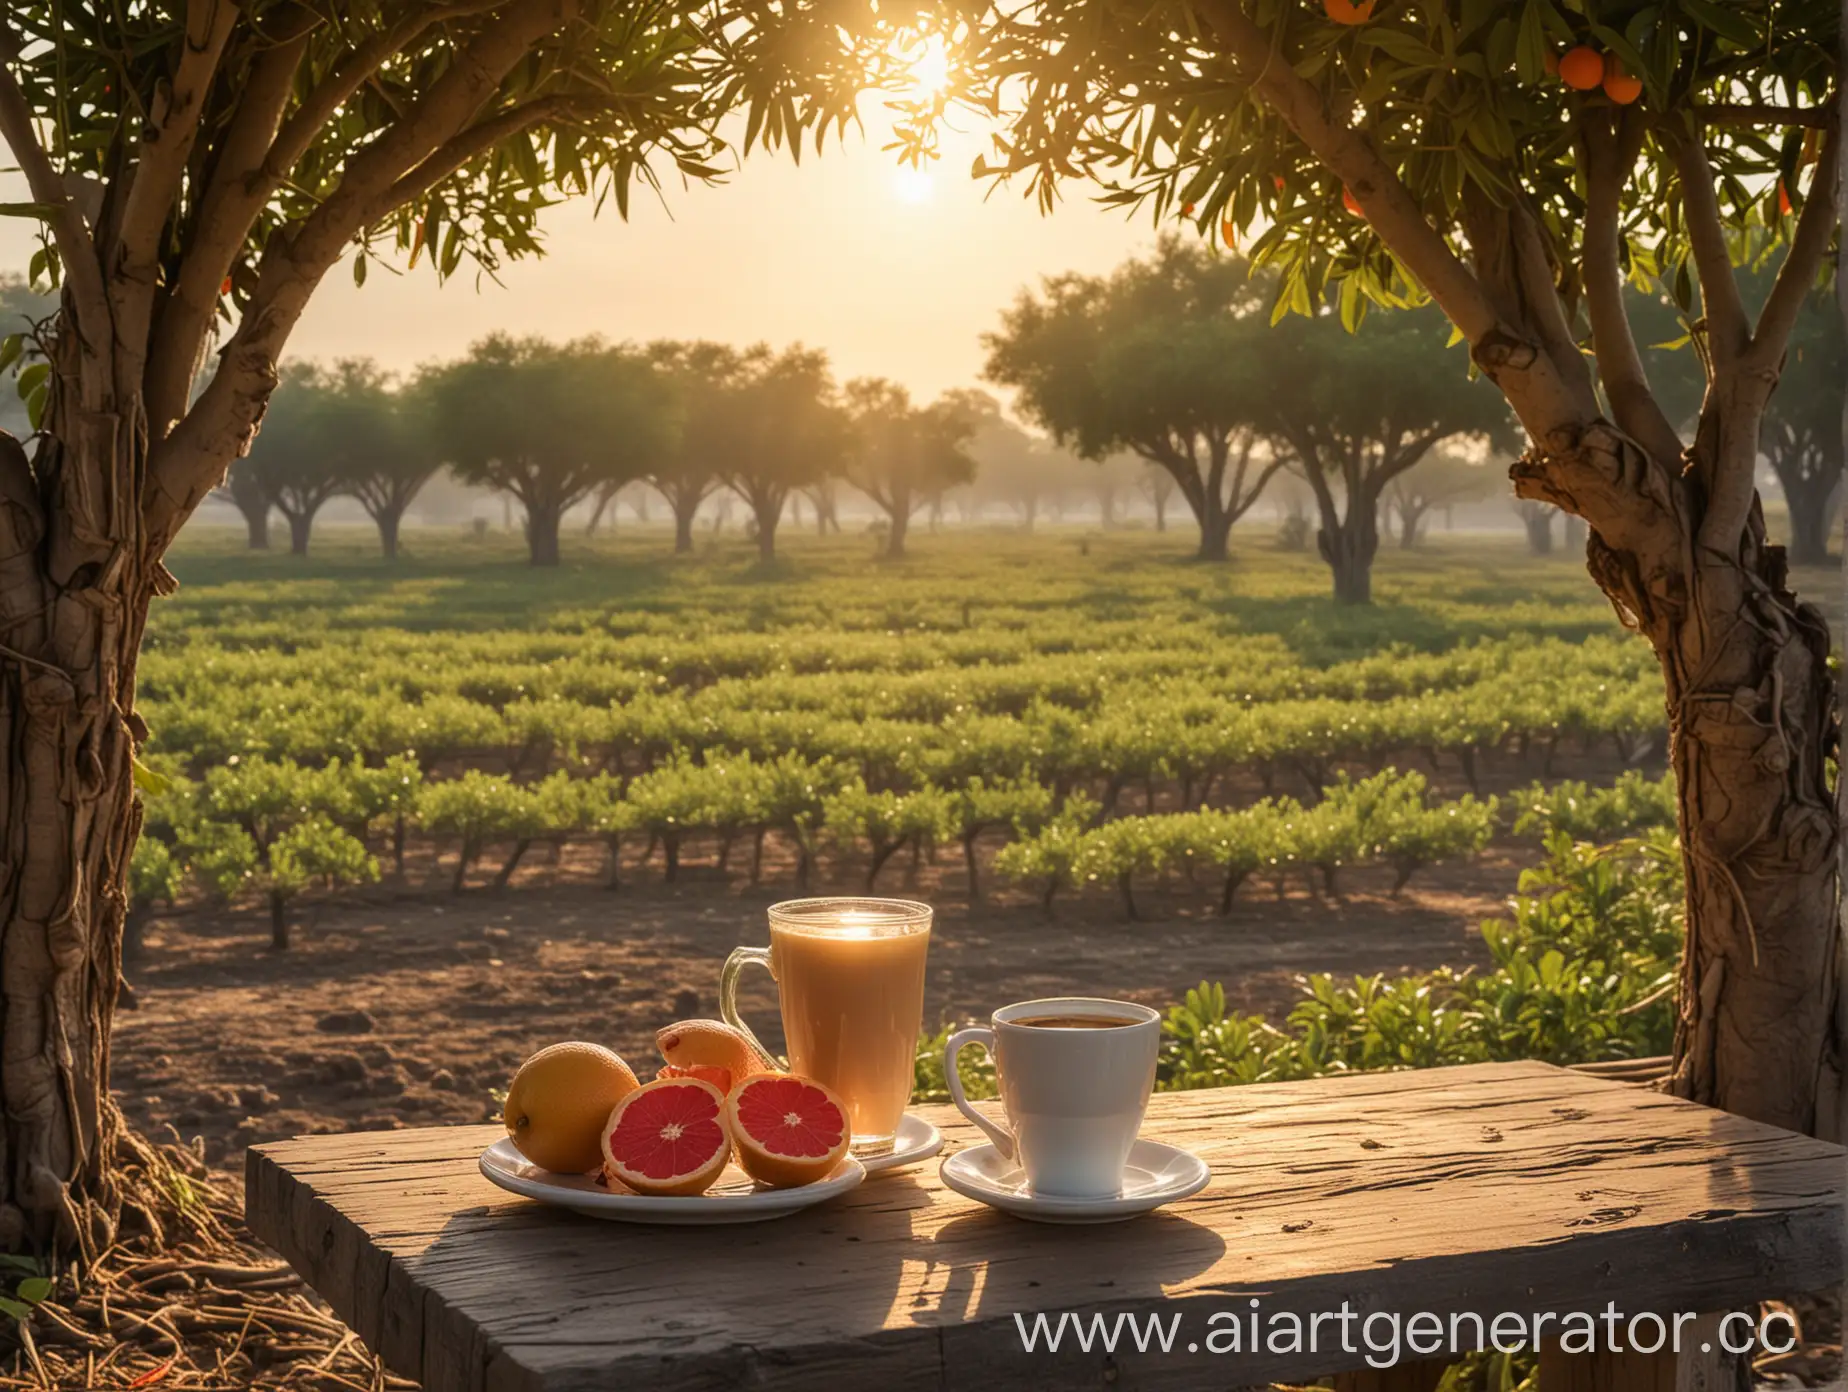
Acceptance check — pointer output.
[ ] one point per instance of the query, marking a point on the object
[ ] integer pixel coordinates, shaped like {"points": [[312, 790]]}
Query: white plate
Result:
{"points": [[1156, 1174], [917, 1140], [735, 1198]]}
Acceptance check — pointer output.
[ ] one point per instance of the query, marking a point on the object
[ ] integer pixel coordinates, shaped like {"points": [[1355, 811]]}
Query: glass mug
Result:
{"points": [[850, 982]]}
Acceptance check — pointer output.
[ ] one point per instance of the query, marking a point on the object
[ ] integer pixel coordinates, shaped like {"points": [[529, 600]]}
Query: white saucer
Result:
{"points": [[735, 1198], [917, 1140], [1156, 1174]]}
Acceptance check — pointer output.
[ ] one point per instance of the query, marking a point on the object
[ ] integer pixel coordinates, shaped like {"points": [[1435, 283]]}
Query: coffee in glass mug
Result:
{"points": [[850, 983]]}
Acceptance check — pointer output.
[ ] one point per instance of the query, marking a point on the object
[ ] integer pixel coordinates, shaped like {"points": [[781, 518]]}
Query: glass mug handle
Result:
{"points": [[975, 1034], [740, 958]]}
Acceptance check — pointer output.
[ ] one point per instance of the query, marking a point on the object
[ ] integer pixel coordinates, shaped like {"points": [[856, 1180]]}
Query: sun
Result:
{"points": [[926, 66]]}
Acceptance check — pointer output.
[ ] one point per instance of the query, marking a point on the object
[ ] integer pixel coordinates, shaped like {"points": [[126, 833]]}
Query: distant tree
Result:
{"points": [[825, 495], [1157, 485], [902, 456], [1012, 467], [1357, 409], [385, 446], [1163, 358], [690, 465], [246, 493], [549, 424], [782, 430], [1537, 518], [1441, 479], [1802, 435], [296, 461]]}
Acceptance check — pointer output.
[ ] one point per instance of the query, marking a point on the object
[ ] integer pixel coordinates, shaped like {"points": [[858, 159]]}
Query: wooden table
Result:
{"points": [[1507, 1187]]}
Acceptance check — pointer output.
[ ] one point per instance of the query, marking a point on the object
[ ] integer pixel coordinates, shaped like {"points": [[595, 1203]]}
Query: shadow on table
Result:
{"points": [[987, 1265]]}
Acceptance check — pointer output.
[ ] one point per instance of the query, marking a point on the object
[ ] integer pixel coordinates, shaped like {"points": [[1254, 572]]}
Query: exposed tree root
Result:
{"points": [[190, 1301]]}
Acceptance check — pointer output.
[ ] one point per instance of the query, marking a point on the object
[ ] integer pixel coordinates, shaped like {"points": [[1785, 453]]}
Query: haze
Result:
{"points": [[893, 271]]}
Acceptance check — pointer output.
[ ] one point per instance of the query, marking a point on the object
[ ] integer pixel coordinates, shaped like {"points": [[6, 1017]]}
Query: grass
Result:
{"points": [[1122, 586]]}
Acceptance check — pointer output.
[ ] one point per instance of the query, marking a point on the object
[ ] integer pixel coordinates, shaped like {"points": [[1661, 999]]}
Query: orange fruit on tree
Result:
{"points": [[1582, 68], [711, 1044], [1351, 203], [789, 1129], [1620, 86], [559, 1100], [667, 1137], [1348, 11], [1783, 199]]}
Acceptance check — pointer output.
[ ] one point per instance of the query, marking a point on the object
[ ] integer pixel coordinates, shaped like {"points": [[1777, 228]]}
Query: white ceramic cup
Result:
{"points": [[1074, 1097]]}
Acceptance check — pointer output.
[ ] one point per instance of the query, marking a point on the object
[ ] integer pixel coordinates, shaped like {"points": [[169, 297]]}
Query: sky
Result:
{"points": [[895, 273]]}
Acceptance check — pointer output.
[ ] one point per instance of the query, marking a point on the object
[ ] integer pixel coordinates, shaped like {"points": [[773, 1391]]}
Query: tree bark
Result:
{"points": [[256, 523], [301, 524], [388, 521], [683, 527], [279, 922], [1539, 525], [895, 534], [1349, 545], [1411, 520], [542, 524], [1808, 498], [767, 518]]}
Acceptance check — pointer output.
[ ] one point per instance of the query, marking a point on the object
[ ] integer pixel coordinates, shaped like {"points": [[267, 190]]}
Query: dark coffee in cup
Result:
{"points": [[1076, 1022]]}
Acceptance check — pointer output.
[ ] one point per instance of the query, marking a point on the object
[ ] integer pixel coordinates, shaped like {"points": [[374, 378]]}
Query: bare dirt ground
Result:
{"points": [[405, 1005]]}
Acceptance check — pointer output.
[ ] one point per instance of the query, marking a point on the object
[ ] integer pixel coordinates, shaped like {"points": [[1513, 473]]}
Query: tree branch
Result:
{"points": [[459, 150], [221, 228], [167, 140], [1808, 245], [76, 250], [1606, 158], [1822, 117], [222, 422], [1728, 330]]}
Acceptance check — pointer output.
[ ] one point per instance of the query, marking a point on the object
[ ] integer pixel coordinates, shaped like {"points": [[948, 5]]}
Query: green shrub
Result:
{"points": [[1635, 802]]}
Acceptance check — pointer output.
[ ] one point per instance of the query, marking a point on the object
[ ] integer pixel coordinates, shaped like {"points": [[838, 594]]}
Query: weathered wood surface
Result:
{"points": [[1515, 1187]]}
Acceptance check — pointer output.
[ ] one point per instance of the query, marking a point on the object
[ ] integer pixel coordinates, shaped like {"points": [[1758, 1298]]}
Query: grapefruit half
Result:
{"points": [[789, 1130], [668, 1137]]}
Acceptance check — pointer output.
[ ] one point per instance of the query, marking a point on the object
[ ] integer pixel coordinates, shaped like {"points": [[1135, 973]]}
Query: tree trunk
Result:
{"points": [[256, 524], [388, 520], [542, 522], [1215, 533], [68, 813], [683, 526], [1161, 512], [895, 534], [1349, 545], [279, 922], [1807, 499], [1410, 519], [1539, 524], [300, 525], [1575, 532], [767, 517]]}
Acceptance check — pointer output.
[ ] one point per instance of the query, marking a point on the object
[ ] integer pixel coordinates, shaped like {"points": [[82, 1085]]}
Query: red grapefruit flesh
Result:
{"points": [[720, 1078], [789, 1130], [668, 1137]]}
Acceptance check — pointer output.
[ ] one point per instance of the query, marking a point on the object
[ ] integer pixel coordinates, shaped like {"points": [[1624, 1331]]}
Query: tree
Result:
{"points": [[1444, 477], [1427, 152], [1803, 430], [1162, 358], [386, 451], [549, 424], [780, 430], [1537, 521], [1012, 467], [199, 164], [1157, 485], [296, 463], [689, 468], [247, 494], [902, 456], [1357, 409]]}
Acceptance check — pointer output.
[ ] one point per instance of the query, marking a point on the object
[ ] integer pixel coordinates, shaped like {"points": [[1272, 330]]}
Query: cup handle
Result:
{"points": [[975, 1034], [740, 958]]}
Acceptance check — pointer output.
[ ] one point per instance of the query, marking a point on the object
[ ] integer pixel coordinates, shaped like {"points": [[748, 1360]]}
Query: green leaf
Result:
{"points": [[38, 211], [151, 781], [1530, 43], [1728, 23], [34, 1289], [359, 269], [14, 1310]]}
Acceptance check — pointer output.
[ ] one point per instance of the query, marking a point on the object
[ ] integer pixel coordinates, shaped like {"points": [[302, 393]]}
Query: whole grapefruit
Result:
{"points": [[560, 1099]]}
